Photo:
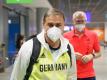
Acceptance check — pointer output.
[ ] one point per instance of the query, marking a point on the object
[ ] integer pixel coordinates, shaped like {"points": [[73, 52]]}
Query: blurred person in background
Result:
{"points": [[86, 46], [2, 57], [19, 41]]}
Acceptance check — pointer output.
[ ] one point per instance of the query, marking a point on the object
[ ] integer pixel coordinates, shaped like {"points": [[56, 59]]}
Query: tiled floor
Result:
{"points": [[100, 67], [6, 74]]}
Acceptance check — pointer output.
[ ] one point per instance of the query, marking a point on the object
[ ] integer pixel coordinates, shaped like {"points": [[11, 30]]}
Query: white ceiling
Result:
{"points": [[96, 8], [38, 3]]}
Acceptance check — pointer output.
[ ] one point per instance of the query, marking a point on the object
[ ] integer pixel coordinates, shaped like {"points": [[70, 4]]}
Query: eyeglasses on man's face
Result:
{"points": [[80, 21]]}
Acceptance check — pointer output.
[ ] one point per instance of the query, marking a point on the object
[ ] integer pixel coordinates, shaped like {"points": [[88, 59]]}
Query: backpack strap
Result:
{"points": [[34, 57], [69, 53]]}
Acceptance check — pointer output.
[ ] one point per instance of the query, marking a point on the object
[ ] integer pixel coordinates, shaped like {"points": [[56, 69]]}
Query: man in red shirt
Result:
{"points": [[86, 46]]}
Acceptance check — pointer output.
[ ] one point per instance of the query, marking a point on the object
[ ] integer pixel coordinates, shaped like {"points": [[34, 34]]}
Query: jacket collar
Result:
{"points": [[59, 52]]}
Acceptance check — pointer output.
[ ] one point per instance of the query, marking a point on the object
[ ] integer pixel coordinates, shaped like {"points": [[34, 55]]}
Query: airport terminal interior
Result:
{"points": [[25, 19]]}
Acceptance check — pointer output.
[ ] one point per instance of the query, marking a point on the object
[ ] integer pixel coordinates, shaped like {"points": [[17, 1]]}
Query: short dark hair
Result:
{"points": [[53, 11]]}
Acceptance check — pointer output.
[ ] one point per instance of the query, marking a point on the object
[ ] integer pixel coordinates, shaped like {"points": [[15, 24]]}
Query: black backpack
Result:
{"points": [[35, 55]]}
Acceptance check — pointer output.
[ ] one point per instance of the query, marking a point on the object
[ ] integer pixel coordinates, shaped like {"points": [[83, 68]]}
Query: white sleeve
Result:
{"points": [[22, 61], [73, 70]]}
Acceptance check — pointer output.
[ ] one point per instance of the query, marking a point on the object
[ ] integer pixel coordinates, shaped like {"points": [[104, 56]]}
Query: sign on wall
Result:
{"points": [[18, 1]]}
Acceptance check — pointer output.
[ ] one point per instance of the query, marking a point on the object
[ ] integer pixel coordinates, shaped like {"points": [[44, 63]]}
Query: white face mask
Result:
{"points": [[80, 27], [54, 33]]}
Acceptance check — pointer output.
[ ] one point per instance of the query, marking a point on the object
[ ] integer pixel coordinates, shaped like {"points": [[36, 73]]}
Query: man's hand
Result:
{"points": [[78, 55], [86, 58]]}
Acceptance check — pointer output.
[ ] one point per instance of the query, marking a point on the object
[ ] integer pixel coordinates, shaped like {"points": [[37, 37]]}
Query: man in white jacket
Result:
{"points": [[54, 62]]}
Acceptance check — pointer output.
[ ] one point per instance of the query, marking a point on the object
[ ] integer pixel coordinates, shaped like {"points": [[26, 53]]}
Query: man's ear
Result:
{"points": [[43, 23], [73, 22]]}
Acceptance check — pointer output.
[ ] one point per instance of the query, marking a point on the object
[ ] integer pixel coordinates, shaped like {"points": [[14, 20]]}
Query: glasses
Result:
{"points": [[80, 21]]}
